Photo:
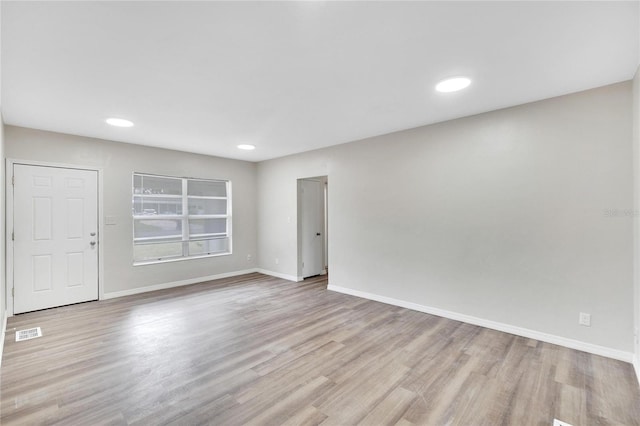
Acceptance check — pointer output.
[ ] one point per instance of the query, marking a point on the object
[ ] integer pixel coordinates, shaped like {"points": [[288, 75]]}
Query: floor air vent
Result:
{"points": [[30, 333]]}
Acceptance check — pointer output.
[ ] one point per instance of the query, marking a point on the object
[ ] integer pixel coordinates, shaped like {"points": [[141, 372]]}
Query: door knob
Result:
{"points": [[317, 234]]}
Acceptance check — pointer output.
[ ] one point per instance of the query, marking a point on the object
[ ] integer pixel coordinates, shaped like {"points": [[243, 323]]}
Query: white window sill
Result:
{"points": [[178, 259]]}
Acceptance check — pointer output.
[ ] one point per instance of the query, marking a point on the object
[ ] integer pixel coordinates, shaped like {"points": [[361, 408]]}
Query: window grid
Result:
{"points": [[154, 238]]}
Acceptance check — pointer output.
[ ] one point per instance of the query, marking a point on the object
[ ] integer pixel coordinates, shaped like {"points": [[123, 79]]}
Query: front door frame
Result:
{"points": [[9, 222]]}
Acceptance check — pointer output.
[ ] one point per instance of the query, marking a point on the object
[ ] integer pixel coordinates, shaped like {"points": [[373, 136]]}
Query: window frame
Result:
{"points": [[185, 218]]}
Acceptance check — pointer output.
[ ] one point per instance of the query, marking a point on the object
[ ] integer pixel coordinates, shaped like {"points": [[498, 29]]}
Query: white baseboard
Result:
{"points": [[3, 335], [163, 286], [280, 275], [494, 325], [636, 366]]}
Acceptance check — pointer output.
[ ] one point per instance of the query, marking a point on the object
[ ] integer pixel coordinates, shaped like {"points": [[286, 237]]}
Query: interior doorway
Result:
{"points": [[312, 226]]}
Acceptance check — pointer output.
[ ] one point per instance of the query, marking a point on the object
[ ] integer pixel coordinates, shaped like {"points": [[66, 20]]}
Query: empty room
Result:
{"points": [[320, 212]]}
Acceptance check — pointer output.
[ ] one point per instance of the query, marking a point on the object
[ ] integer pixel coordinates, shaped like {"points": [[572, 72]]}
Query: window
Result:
{"points": [[180, 218]]}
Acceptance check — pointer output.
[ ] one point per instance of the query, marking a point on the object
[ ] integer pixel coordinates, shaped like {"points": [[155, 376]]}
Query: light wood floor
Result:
{"points": [[260, 350]]}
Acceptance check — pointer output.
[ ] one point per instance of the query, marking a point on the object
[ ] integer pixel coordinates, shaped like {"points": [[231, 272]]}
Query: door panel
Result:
{"points": [[75, 222], [75, 269], [42, 218], [41, 272], [55, 253]]}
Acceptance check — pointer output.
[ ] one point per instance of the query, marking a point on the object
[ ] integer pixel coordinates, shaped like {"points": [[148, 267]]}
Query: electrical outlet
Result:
{"points": [[248, 258], [584, 319], [277, 260]]}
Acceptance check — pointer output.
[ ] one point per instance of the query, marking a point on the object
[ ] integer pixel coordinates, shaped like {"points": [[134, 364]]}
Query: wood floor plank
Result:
{"points": [[390, 409], [352, 401], [533, 389], [305, 416], [260, 350], [404, 422], [605, 379], [572, 405], [286, 408], [298, 371]]}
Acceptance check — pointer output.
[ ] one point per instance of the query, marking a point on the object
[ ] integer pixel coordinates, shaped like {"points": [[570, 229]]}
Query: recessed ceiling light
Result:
{"points": [[247, 147], [119, 122], [453, 84]]}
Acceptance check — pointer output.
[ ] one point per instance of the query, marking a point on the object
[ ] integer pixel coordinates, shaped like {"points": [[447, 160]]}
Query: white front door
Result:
{"points": [[312, 214], [55, 227]]}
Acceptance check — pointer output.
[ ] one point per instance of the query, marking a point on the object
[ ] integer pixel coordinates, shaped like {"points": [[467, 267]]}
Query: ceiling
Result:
{"points": [[295, 76]]}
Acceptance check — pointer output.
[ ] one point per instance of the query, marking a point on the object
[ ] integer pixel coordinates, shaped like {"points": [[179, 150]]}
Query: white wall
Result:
{"points": [[500, 216], [277, 207], [119, 161]]}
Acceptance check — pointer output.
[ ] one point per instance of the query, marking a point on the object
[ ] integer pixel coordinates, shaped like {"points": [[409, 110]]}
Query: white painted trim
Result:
{"points": [[173, 284], [100, 235], [9, 163], [280, 275], [636, 366], [494, 325], [4, 332], [179, 259], [8, 245]]}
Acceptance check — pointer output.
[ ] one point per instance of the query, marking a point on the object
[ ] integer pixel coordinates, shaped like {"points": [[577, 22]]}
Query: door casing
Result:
{"points": [[323, 228]]}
